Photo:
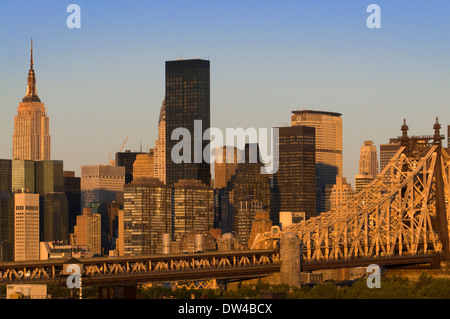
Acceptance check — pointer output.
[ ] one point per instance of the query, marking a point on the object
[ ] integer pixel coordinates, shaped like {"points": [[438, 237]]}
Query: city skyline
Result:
{"points": [[265, 56]]}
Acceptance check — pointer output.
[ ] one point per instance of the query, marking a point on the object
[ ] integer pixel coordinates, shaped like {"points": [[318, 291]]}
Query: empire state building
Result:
{"points": [[31, 139]]}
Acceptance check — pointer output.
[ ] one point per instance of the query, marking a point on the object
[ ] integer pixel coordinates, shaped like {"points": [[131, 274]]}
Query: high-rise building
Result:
{"points": [[143, 166], [329, 164], [362, 181], [5, 175], [225, 165], [387, 152], [244, 218], [23, 176], [87, 231], [53, 203], [6, 211], [261, 223], [192, 209], [160, 147], [294, 184], [101, 183], [126, 159], [6, 226], [26, 226], [31, 138], [187, 103], [146, 217], [340, 194], [248, 184], [368, 161], [72, 189]]}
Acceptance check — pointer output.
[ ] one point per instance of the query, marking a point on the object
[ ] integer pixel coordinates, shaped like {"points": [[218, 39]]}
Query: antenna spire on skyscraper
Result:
{"points": [[31, 59], [31, 95]]}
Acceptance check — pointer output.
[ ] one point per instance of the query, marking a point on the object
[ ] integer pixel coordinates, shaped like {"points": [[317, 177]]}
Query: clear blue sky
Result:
{"points": [[105, 81]]}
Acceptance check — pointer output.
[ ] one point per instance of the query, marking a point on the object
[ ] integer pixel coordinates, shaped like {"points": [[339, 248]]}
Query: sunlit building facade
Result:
{"points": [[146, 217], [31, 138], [329, 161]]}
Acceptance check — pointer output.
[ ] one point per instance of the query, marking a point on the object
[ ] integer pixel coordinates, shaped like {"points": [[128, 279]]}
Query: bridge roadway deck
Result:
{"points": [[150, 268], [257, 263]]}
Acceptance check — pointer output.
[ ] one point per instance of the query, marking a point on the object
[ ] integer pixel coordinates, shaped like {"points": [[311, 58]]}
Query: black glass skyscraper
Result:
{"points": [[295, 181], [187, 100]]}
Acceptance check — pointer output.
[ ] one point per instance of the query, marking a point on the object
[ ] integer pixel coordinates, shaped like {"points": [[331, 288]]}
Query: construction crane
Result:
{"points": [[111, 160]]}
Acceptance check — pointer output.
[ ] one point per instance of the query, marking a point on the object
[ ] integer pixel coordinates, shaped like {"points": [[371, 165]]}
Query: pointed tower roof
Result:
{"points": [[31, 95]]}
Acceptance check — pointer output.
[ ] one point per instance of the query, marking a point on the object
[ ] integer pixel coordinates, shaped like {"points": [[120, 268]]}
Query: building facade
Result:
{"points": [[126, 159], [101, 183], [143, 166], [26, 226], [361, 181], [329, 162], [192, 209], [54, 210], [387, 152], [340, 194], [225, 165], [294, 183], [146, 217], [187, 102], [368, 160], [248, 184], [160, 147], [87, 231], [23, 176], [31, 138], [72, 189]]}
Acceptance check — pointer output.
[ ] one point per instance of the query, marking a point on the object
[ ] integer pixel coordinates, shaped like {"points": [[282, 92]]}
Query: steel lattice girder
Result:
{"points": [[394, 215]]}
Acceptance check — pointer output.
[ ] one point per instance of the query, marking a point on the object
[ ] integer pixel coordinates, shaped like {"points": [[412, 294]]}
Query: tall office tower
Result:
{"points": [[87, 231], [5, 175], [6, 226], [244, 218], [101, 183], [192, 209], [294, 184], [160, 146], [23, 176], [387, 151], [53, 203], [143, 166], [31, 139], [126, 159], [26, 227], [248, 184], [6, 212], [146, 217], [225, 165], [328, 127], [368, 162], [187, 103], [112, 224], [340, 194], [72, 189]]}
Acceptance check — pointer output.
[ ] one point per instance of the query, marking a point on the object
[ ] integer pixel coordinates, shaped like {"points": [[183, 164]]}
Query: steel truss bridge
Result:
{"points": [[152, 268], [402, 213]]}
